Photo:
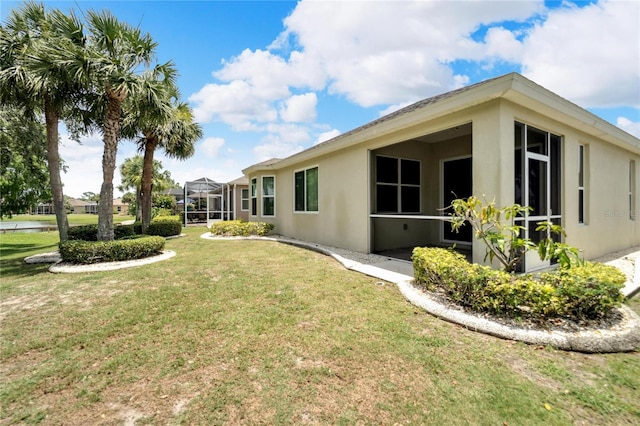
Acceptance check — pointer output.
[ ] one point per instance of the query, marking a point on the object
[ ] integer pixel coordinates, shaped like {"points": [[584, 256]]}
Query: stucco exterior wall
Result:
{"points": [[608, 227], [346, 187], [342, 217]]}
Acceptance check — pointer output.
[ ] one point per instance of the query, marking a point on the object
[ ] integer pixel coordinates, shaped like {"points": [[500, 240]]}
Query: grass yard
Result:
{"points": [[252, 332]]}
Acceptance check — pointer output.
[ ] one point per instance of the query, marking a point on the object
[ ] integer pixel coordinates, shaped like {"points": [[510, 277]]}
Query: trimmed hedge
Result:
{"points": [[84, 252], [90, 232], [586, 291], [240, 228], [165, 226]]}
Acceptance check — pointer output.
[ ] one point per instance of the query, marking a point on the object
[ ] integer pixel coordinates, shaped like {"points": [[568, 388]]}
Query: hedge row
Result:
{"points": [[163, 226], [586, 291], [75, 251], [240, 228]]}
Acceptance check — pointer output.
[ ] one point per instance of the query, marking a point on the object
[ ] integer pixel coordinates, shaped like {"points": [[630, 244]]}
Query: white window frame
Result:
{"points": [[583, 164], [254, 196], [264, 196], [399, 185], [632, 190], [243, 199], [304, 170]]}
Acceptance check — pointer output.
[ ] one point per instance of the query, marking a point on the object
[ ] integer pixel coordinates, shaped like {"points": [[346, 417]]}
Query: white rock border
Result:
{"points": [[61, 267], [623, 337]]}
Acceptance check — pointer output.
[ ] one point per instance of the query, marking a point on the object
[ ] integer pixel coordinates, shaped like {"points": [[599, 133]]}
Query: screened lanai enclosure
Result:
{"points": [[412, 184], [206, 201]]}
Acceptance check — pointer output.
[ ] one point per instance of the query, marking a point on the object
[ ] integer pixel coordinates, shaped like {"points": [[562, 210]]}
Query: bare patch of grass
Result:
{"points": [[251, 332]]}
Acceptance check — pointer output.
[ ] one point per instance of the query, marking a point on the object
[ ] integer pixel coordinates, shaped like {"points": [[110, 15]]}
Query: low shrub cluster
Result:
{"points": [[76, 251], [83, 245], [240, 228], [165, 226], [585, 291]]}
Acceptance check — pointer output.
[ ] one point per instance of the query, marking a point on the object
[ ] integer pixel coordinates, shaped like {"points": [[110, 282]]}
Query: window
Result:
{"points": [[268, 195], [254, 197], [244, 199], [581, 183], [306, 190], [632, 190], [397, 185]]}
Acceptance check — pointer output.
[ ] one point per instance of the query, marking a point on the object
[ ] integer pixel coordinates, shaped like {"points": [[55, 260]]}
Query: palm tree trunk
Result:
{"points": [[138, 204], [53, 160], [111, 134], [147, 179]]}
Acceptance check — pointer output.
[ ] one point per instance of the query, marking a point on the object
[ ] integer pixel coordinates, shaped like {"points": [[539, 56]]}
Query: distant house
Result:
{"points": [[120, 207], [384, 186], [81, 206]]}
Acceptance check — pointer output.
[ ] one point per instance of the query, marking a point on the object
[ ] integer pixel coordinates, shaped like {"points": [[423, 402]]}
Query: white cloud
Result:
{"points": [[236, 104], [590, 55], [385, 52], [325, 136], [299, 108], [211, 146], [84, 165], [289, 133], [631, 127], [275, 149]]}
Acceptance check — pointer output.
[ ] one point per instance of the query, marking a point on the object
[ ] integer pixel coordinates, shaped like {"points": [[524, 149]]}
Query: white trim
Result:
{"points": [[305, 169], [248, 199], [262, 195], [253, 196]]}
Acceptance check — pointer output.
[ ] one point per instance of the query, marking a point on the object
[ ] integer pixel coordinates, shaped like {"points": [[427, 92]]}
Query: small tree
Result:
{"points": [[497, 228]]}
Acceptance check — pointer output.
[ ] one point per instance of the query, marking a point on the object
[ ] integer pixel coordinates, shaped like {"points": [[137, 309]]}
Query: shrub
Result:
{"points": [[585, 291], [110, 251], [497, 228], [589, 290], [165, 226], [84, 233], [90, 232], [239, 228]]}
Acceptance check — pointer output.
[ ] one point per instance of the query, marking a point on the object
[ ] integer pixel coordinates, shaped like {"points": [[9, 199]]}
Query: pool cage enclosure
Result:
{"points": [[207, 201]]}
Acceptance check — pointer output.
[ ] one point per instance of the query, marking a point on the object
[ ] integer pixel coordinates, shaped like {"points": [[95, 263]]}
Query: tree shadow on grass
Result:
{"points": [[12, 259], [16, 268], [13, 250]]}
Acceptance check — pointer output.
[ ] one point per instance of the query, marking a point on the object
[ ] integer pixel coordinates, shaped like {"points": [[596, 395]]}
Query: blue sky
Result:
{"points": [[267, 79]]}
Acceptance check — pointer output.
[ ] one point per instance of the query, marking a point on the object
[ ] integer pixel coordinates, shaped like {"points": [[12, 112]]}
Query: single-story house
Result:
{"points": [[384, 186]]}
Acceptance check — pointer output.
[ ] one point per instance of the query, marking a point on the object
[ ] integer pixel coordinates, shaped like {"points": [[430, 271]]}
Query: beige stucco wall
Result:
{"points": [[345, 188], [608, 226], [237, 202], [342, 219]]}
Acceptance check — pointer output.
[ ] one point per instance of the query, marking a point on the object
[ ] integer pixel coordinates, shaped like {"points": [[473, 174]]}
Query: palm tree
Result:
{"points": [[169, 125], [31, 77], [131, 173], [117, 51]]}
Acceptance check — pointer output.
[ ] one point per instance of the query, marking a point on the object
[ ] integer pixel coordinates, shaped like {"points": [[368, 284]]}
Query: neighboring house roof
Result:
{"points": [[74, 202], [243, 180], [512, 87]]}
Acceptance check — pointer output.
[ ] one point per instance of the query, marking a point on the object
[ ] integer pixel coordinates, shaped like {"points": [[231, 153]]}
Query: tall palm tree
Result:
{"points": [[131, 173], [169, 125], [117, 52], [32, 78]]}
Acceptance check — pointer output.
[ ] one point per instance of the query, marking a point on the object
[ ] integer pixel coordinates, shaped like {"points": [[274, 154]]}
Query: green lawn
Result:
{"points": [[253, 332], [74, 219]]}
